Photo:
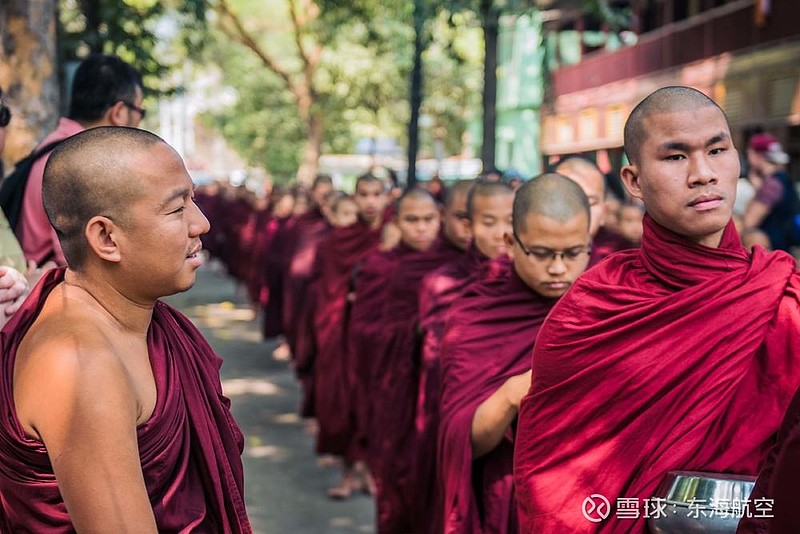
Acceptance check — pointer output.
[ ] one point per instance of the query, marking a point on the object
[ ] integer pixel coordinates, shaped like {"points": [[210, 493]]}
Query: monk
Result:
{"points": [[391, 386], [309, 230], [586, 174], [656, 357], [114, 418], [487, 218], [338, 255], [486, 353]]}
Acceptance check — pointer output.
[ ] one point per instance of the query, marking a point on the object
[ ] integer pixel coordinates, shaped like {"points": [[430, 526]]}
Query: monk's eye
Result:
{"points": [[715, 151], [541, 254]]}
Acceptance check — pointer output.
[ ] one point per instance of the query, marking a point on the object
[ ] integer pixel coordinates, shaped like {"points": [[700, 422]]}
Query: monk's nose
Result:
{"points": [[702, 173]]}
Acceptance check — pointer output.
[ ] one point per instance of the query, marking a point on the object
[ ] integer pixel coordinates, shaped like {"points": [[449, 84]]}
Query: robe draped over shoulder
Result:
{"points": [[190, 448], [672, 357]]}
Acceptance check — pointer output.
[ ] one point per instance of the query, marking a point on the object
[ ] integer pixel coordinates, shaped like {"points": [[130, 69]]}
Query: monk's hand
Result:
{"points": [[516, 387], [13, 290]]}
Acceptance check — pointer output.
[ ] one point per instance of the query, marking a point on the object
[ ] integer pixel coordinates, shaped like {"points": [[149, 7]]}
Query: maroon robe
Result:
{"points": [[190, 448], [306, 236], [675, 356], [393, 386], [363, 336], [210, 205], [607, 242], [439, 290], [277, 262], [338, 254], [488, 339]]}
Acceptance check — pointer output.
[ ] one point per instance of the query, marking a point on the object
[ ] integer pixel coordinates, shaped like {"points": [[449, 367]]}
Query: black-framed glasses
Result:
{"points": [[134, 107], [545, 255], [5, 115]]}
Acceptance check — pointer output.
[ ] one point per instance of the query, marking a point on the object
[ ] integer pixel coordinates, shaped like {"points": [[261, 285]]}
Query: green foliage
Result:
{"points": [[155, 36]]}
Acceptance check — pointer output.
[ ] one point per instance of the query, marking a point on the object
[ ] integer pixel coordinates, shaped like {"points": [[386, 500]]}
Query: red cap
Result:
{"points": [[768, 145]]}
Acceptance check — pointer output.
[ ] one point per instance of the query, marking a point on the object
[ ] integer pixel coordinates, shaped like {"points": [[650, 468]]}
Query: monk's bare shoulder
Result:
{"points": [[67, 362]]}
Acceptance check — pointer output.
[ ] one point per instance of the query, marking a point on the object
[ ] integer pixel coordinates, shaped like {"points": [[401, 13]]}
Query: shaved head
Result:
{"points": [[416, 193], [580, 169], [481, 188], [458, 189], [91, 174], [664, 100], [551, 195]]}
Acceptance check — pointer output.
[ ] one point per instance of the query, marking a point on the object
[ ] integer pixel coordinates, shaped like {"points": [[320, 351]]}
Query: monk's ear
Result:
{"points": [[508, 239], [632, 179], [102, 236]]}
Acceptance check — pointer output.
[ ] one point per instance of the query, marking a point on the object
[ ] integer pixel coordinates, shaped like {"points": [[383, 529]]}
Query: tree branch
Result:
{"points": [[243, 36]]}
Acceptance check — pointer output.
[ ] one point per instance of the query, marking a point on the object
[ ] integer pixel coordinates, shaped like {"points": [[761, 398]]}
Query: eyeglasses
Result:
{"points": [[134, 107], [546, 255], [5, 115]]}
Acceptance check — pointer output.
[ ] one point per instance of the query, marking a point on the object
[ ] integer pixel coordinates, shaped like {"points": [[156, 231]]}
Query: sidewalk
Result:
{"points": [[285, 488]]}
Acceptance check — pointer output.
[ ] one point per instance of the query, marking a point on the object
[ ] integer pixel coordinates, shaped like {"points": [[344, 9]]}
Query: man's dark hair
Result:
{"points": [[100, 82], [482, 188], [458, 188], [367, 178], [664, 100], [552, 195], [85, 177], [321, 179], [415, 193]]}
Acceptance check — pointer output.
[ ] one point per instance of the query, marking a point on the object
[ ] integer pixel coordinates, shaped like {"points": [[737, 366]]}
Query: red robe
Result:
{"points": [[438, 292], [190, 448], [275, 266], [363, 336], [488, 339], [306, 236], [672, 357], [338, 254], [393, 386], [606, 243]]}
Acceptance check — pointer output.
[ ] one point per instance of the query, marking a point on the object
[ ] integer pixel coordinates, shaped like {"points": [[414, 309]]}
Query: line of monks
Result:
{"points": [[412, 331]]}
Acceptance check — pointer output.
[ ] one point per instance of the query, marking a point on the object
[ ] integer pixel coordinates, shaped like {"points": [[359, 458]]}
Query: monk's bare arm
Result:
{"points": [[75, 397], [495, 414]]}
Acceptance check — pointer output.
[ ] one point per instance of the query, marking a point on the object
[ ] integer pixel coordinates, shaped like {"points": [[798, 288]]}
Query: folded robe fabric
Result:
{"points": [[439, 290], [607, 242], [672, 357], [190, 448], [393, 386], [338, 255], [304, 240], [488, 339]]}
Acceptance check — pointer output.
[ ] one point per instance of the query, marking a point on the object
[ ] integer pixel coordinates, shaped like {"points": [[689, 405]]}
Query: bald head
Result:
{"points": [[458, 190], [415, 194], [590, 178], [482, 188], [551, 195], [665, 100], [91, 174]]}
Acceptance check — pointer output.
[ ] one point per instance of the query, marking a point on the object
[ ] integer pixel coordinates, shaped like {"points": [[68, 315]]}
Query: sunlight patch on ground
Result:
{"points": [[251, 386], [341, 522], [267, 451], [287, 419]]}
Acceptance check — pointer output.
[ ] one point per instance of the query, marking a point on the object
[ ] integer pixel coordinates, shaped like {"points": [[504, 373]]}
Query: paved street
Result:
{"points": [[285, 486]]}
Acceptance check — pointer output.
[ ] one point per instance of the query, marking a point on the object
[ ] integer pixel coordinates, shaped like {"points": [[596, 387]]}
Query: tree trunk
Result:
{"points": [[312, 148], [28, 72], [416, 95], [490, 21]]}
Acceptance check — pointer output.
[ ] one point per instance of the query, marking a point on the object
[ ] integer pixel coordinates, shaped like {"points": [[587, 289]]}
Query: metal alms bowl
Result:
{"points": [[694, 502]]}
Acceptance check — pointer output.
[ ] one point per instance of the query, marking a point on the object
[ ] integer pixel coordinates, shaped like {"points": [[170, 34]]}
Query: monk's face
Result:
{"points": [[418, 221], [346, 213], [630, 223], [321, 193], [456, 222], [283, 207], [371, 200], [550, 255], [160, 240], [592, 182], [686, 173], [491, 221]]}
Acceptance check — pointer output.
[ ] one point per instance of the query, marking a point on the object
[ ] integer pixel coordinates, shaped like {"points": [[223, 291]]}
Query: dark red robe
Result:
{"points": [[190, 448], [393, 386], [675, 356], [488, 339], [338, 254], [306, 235], [607, 242], [275, 267], [439, 290]]}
